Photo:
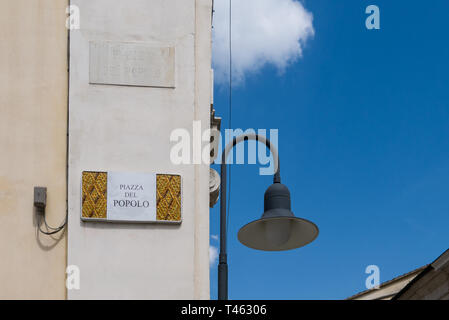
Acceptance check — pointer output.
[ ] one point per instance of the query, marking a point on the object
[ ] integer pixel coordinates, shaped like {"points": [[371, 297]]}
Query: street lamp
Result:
{"points": [[277, 230]]}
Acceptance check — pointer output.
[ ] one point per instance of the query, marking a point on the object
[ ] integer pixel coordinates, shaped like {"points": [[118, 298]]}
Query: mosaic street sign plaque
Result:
{"points": [[131, 197]]}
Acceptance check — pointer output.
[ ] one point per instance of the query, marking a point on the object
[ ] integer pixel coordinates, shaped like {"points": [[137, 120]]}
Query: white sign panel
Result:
{"points": [[131, 196]]}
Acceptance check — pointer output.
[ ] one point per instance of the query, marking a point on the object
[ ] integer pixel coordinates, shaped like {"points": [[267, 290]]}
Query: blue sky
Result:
{"points": [[363, 121]]}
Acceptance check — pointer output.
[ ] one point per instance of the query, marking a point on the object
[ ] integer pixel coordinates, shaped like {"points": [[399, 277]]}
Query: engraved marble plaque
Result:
{"points": [[131, 64]]}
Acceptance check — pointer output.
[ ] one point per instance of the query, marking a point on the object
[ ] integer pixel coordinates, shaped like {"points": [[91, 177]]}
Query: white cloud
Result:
{"points": [[263, 32], [213, 255], [214, 236]]}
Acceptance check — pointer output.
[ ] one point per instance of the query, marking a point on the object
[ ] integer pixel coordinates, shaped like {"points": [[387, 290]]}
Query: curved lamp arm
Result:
{"points": [[256, 137], [223, 259]]}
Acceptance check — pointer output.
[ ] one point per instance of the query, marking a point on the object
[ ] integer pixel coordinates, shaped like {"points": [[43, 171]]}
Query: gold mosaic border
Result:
{"points": [[94, 189], [168, 197]]}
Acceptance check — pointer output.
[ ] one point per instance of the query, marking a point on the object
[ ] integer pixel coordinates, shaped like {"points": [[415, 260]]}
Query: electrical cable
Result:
{"points": [[50, 230]]}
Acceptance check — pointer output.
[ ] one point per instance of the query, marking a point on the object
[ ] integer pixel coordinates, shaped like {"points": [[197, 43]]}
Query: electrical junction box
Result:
{"points": [[40, 197]]}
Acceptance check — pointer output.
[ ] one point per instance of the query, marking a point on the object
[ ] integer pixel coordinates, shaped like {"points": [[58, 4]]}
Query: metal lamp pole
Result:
{"points": [[223, 258]]}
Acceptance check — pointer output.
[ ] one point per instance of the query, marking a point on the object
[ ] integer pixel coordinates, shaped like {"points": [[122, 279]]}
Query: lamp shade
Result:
{"points": [[278, 229]]}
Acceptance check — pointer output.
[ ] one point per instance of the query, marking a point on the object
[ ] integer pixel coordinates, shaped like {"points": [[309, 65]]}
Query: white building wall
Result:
{"points": [[126, 128]]}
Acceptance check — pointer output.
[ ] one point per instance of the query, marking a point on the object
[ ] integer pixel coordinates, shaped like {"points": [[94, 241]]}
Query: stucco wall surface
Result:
{"points": [[33, 130], [127, 129]]}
